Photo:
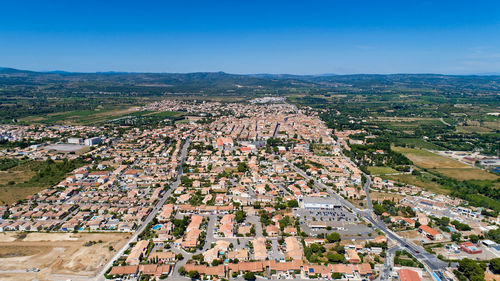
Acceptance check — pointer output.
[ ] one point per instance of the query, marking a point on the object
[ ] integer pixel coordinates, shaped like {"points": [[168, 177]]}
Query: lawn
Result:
{"points": [[375, 170]]}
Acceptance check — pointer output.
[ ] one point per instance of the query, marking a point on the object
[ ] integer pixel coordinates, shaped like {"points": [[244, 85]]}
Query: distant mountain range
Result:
{"points": [[221, 82], [258, 75]]}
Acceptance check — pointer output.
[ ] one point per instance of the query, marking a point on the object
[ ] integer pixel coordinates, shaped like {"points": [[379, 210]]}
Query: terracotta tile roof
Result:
{"points": [[429, 230], [406, 274]]}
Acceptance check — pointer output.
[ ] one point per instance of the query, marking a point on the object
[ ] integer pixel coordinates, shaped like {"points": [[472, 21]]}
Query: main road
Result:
{"points": [[157, 208]]}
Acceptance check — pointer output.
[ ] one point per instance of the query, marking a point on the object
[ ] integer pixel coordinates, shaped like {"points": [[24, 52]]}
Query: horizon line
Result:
{"points": [[245, 74]]}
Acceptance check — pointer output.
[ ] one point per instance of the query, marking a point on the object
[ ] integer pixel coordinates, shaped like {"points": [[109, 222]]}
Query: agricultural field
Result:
{"points": [[81, 254], [80, 117], [466, 173], [474, 129], [408, 124], [419, 181], [444, 165], [417, 143], [91, 117], [429, 160]]}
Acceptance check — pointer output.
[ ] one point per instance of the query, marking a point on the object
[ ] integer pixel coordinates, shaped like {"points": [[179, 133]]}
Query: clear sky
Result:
{"points": [[251, 36]]}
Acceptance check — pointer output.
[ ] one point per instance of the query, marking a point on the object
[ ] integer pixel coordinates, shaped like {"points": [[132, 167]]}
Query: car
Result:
{"points": [[417, 251]]}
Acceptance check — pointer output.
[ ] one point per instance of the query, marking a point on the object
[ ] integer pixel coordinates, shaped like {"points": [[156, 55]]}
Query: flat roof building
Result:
{"points": [[319, 203], [406, 274]]}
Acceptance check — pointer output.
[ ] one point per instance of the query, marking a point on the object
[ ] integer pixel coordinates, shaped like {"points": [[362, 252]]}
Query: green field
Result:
{"points": [[375, 170], [474, 129], [443, 165], [90, 117], [410, 124], [418, 143], [79, 117]]}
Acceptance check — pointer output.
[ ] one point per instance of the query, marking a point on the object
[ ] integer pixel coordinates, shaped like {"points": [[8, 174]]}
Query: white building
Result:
{"points": [[319, 203], [92, 141], [75, 140]]}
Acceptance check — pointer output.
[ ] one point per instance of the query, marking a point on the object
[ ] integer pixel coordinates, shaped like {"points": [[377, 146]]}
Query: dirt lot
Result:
{"points": [[466, 173], [411, 235], [450, 254], [62, 254], [385, 196]]}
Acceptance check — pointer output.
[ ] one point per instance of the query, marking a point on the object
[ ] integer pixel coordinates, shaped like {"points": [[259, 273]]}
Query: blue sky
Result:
{"points": [[299, 37]]}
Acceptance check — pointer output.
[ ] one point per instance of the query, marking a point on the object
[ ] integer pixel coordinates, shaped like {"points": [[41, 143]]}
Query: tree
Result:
{"points": [[474, 238], [456, 236], [242, 167], [495, 265], [249, 276], [292, 204], [336, 258], [494, 235], [182, 271], [378, 209], [336, 275], [417, 224], [193, 274], [333, 237]]}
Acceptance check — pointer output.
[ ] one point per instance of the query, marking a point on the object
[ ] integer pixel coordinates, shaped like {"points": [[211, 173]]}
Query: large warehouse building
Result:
{"points": [[319, 203]]}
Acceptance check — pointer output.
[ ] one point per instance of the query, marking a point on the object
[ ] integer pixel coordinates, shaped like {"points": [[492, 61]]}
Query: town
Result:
{"points": [[247, 190]]}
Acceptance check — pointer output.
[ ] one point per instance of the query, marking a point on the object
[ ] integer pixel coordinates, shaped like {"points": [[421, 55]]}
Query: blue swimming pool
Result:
{"points": [[156, 227]]}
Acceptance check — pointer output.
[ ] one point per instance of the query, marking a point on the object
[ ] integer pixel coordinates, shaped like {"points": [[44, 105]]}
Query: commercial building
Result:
{"points": [[92, 141], [319, 203]]}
